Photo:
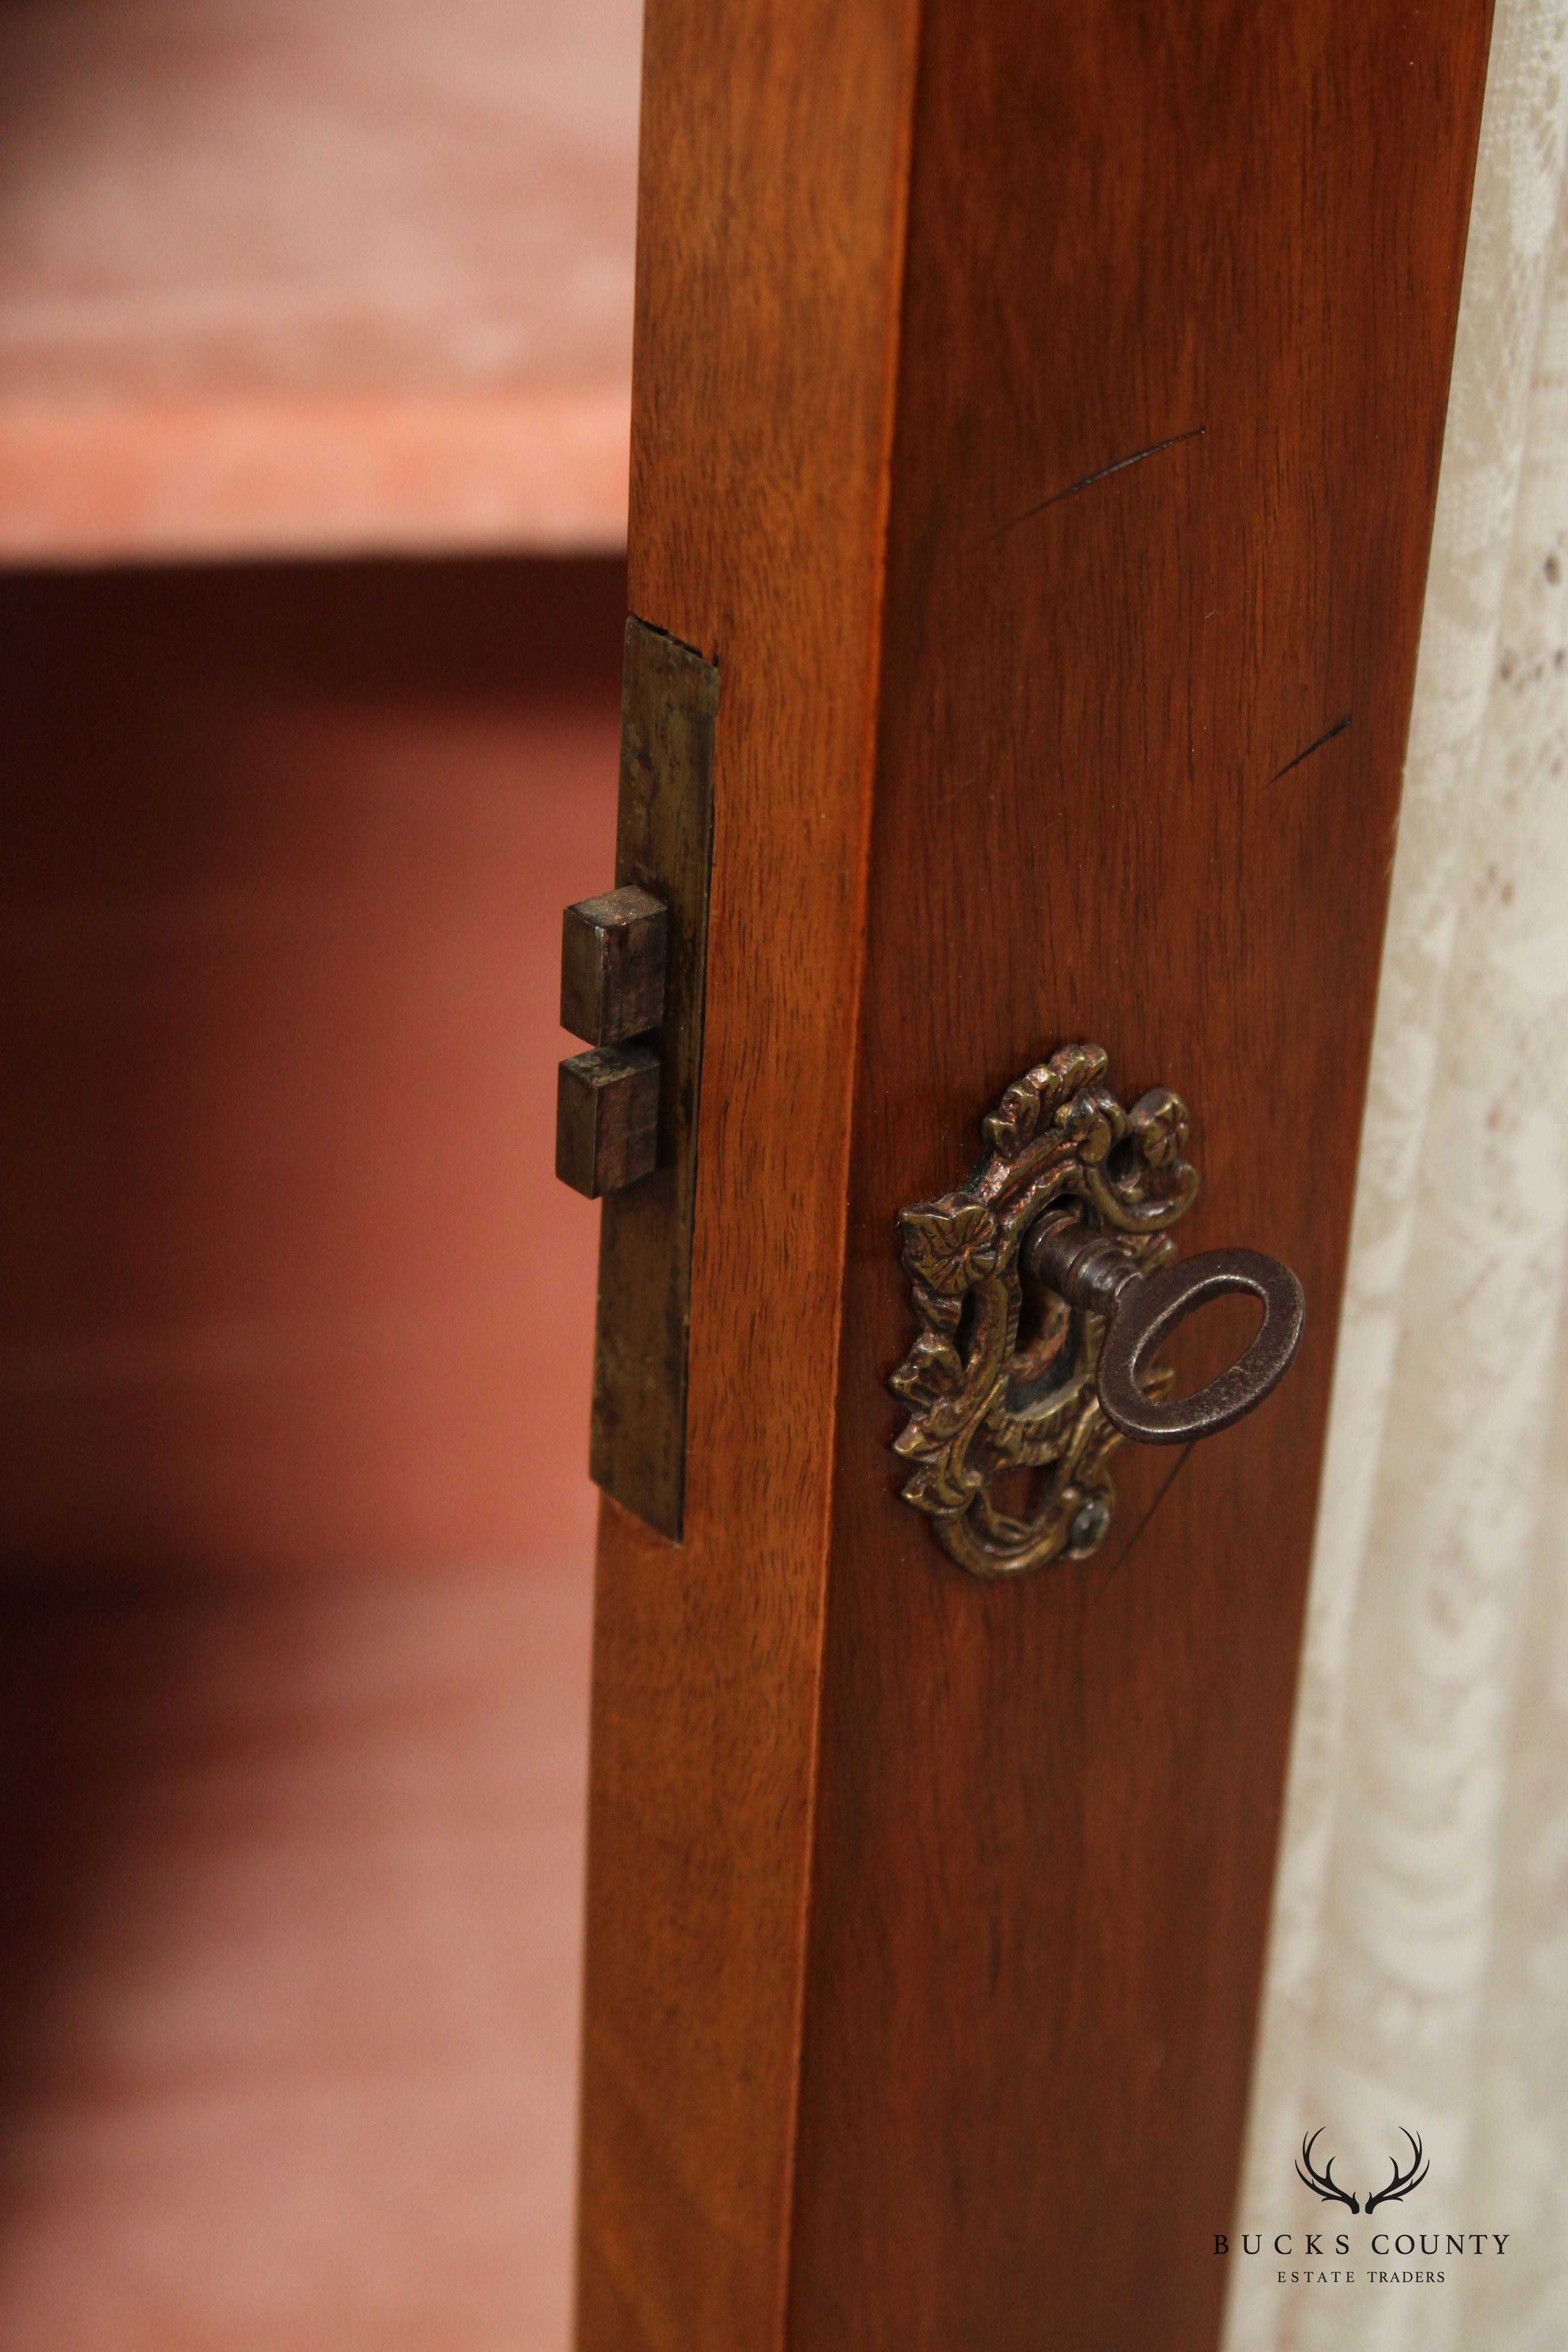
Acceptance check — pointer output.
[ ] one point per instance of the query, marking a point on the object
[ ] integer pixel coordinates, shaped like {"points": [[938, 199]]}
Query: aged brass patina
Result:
{"points": [[663, 850], [1042, 1285]]}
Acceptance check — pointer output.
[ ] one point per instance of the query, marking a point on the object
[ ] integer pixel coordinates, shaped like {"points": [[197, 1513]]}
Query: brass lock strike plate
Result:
{"points": [[1042, 1286], [633, 969]]}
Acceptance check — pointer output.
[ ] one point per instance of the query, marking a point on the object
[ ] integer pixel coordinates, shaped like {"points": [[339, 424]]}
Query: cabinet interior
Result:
{"points": [[281, 278], [315, 361]]}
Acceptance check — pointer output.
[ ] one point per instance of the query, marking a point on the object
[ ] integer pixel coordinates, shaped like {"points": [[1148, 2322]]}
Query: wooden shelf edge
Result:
{"points": [[532, 469]]}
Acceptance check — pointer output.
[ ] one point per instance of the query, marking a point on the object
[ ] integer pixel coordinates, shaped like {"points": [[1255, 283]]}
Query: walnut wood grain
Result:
{"points": [[769, 237], [1175, 323], [1046, 1830]]}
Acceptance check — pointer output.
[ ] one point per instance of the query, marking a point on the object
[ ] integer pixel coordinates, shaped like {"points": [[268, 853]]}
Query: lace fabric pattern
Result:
{"points": [[1418, 1968]]}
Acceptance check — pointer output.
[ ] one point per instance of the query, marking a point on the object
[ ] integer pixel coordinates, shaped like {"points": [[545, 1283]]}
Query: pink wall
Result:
{"points": [[290, 1284], [295, 1329], [276, 275]]}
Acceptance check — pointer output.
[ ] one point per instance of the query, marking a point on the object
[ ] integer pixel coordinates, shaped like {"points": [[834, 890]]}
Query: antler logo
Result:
{"points": [[1402, 2182], [1323, 2184]]}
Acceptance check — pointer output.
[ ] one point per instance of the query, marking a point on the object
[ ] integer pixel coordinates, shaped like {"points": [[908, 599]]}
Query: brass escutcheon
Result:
{"points": [[1044, 1286]]}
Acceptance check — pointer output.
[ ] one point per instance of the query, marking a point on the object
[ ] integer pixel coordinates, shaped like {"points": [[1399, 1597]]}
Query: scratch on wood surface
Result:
{"points": [[1125, 1554], [1193, 433], [1327, 737]]}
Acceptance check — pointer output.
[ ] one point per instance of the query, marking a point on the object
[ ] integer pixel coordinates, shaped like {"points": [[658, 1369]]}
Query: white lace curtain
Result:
{"points": [[1418, 1974]]}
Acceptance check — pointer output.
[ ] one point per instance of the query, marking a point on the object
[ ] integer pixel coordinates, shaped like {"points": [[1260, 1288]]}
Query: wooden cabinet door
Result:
{"points": [[1037, 414]]}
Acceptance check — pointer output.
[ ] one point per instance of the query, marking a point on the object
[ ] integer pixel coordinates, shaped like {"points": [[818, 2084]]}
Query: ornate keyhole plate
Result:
{"points": [[1002, 1381]]}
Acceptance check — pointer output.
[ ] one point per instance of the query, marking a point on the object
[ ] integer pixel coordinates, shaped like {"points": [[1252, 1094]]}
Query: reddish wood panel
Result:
{"points": [[773, 144], [290, 1973], [275, 278], [291, 1283], [287, 1985], [1174, 338], [1178, 317], [106, 481]]}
